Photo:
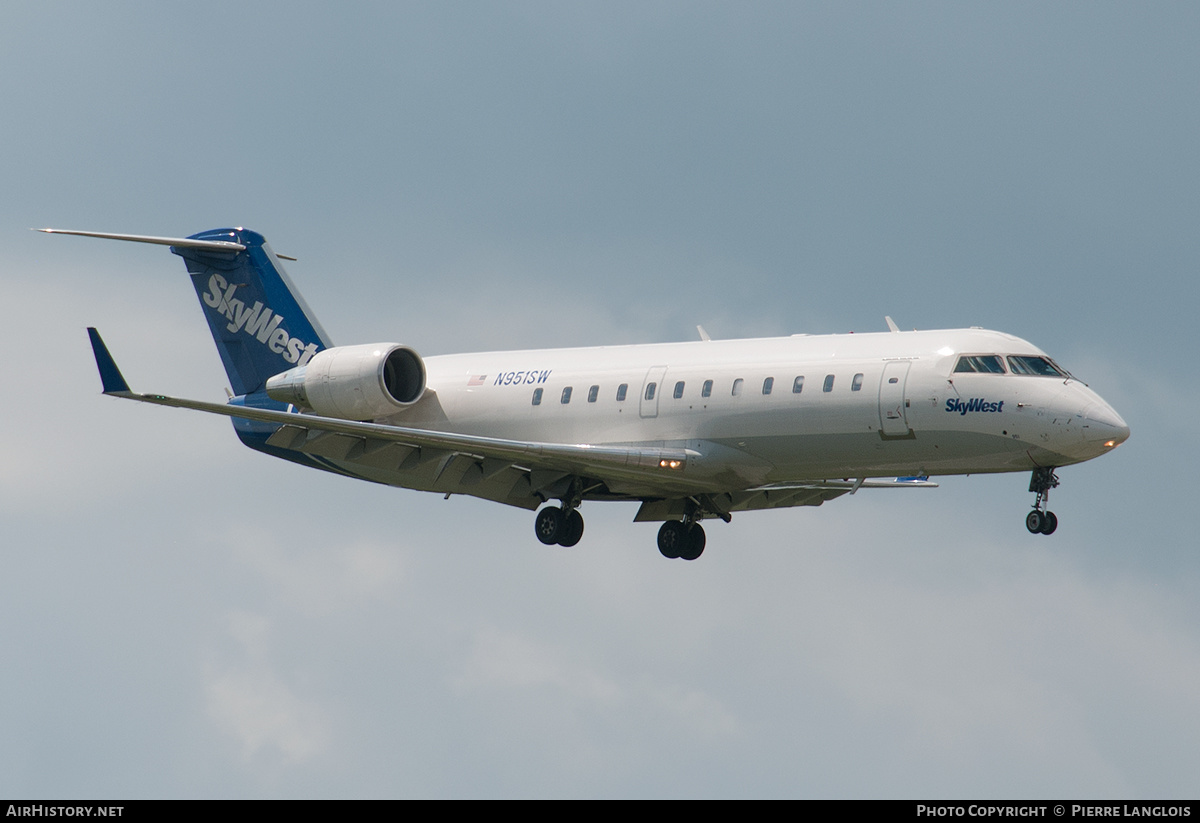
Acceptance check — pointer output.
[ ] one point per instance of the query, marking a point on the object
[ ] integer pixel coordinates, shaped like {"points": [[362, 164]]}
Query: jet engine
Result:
{"points": [[354, 382]]}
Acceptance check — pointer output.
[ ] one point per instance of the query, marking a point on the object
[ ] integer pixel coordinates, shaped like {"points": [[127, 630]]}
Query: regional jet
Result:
{"points": [[690, 431]]}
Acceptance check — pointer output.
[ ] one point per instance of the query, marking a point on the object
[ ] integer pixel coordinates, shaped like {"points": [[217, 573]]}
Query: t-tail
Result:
{"points": [[259, 321]]}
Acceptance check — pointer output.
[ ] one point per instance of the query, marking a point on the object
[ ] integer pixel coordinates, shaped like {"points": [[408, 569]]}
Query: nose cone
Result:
{"points": [[1104, 427]]}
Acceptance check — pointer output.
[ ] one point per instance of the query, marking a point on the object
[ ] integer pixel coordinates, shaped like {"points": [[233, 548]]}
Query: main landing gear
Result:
{"points": [[1041, 521], [676, 539], [685, 538], [562, 526], [679, 538]]}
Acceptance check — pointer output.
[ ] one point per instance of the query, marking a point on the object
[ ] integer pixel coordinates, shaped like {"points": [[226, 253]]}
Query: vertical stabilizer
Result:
{"points": [[260, 323]]}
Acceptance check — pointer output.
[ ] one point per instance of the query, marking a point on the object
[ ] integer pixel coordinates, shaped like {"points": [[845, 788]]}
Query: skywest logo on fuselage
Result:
{"points": [[975, 404], [257, 321]]}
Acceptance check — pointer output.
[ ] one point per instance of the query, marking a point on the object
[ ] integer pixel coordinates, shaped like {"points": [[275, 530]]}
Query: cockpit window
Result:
{"points": [[1041, 366], [986, 363]]}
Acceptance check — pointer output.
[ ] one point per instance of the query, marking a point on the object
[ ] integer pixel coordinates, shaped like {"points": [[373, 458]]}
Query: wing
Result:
{"points": [[776, 496], [529, 472], [518, 473]]}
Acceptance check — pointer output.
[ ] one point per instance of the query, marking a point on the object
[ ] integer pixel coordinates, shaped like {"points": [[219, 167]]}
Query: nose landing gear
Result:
{"points": [[1041, 521]]}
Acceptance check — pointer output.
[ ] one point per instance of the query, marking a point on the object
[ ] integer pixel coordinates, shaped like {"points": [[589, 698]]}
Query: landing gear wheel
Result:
{"points": [[1041, 521], [572, 529], [672, 539], [695, 543], [549, 525]]}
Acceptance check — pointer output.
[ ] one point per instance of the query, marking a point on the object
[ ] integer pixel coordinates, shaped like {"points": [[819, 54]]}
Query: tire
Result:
{"points": [[695, 543], [1049, 523], [548, 525], [672, 539], [1034, 521], [572, 529]]}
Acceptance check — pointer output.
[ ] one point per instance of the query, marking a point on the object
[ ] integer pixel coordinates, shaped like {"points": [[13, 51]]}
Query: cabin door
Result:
{"points": [[893, 404]]}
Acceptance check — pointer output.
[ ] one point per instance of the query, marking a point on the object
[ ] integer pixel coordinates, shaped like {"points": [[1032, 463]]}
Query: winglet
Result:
{"points": [[891, 323], [110, 375]]}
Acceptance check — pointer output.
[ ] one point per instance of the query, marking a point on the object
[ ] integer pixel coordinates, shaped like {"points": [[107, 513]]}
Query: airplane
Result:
{"points": [[690, 430]]}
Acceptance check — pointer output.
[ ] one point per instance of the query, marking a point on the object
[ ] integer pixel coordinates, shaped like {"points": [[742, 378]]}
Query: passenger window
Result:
{"points": [[593, 393], [679, 390], [737, 386], [537, 397], [706, 389], [828, 383], [566, 396], [621, 390], [798, 385], [768, 384], [856, 384], [650, 387]]}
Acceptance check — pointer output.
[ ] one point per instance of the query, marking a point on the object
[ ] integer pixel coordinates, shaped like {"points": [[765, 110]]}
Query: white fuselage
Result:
{"points": [[782, 409], [691, 430]]}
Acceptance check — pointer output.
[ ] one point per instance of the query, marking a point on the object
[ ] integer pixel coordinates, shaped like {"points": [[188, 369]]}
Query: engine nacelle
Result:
{"points": [[354, 382]]}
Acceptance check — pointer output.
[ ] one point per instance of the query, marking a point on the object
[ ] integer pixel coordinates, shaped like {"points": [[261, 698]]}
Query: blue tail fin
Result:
{"points": [[260, 323]]}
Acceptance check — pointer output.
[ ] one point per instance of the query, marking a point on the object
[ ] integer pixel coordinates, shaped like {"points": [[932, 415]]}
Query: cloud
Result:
{"points": [[250, 702], [586, 176], [330, 575]]}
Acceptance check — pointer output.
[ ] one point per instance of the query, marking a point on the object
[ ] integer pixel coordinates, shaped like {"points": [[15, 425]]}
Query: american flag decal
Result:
{"points": [[477, 380]]}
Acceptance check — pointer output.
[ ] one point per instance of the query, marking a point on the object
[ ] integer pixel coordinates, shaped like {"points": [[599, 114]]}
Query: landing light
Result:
{"points": [[670, 464], [1111, 444]]}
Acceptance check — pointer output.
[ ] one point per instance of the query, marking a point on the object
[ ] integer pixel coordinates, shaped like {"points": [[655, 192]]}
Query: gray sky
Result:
{"points": [[180, 616]]}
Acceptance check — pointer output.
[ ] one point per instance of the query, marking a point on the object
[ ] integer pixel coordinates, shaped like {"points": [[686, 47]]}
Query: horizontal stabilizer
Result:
{"points": [[178, 242], [259, 322]]}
